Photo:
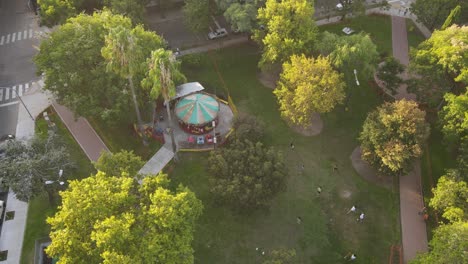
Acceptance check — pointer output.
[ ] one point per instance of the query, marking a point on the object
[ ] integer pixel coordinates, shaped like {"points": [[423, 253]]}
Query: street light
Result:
{"points": [[355, 76], [48, 182], [19, 97]]}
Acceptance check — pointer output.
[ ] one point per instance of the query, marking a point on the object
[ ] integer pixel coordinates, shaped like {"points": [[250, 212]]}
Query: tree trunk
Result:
{"points": [[171, 131], [137, 111]]}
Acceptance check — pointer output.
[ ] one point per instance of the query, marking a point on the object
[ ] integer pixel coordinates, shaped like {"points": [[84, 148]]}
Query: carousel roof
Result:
{"points": [[197, 109]]}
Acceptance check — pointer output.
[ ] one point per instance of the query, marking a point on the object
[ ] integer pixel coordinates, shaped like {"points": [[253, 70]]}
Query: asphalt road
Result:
{"points": [[18, 39]]}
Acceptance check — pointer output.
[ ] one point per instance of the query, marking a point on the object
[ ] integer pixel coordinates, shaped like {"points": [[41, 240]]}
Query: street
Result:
{"points": [[19, 33]]}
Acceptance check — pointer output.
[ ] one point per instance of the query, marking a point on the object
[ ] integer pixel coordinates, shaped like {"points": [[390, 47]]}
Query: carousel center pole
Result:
{"points": [[171, 131]]}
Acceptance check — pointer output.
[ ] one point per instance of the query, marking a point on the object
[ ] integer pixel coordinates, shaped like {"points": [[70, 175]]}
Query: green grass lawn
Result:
{"points": [[379, 27], [414, 35], [122, 137], [39, 207], [327, 233]]}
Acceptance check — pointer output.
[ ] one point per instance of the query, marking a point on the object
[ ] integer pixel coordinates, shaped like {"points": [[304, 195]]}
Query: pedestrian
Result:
{"points": [[361, 217], [350, 256], [353, 257], [302, 167], [335, 168], [423, 211], [406, 11], [319, 190], [353, 209], [299, 220], [291, 145], [426, 216]]}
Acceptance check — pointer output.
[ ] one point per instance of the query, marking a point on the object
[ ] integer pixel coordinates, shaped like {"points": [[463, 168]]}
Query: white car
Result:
{"points": [[218, 33], [348, 31]]}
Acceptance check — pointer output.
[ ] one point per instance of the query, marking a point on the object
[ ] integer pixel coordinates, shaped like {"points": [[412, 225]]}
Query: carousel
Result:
{"points": [[196, 113]]}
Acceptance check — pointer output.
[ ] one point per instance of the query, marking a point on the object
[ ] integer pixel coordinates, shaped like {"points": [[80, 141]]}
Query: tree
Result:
{"points": [[246, 175], [242, 16], [56, 11], [288, 28], [355, 7], [115, 164], [433, 13], [308, 86], [197, 14], [451, 197], [133, 9], [161, 78], [28, 165], [281, 256], [350, 52], [106, 219], [389, 72], [453, 17], [248, 127], [454, 117], [448, 245], [75, 70], [393, 135]]}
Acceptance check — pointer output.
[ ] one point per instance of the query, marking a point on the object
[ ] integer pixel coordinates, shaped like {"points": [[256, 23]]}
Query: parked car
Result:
{"points": [[218, 33]]}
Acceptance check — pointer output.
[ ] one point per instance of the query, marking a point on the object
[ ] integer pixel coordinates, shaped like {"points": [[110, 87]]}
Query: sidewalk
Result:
{"points": [[83, 132], [12, 235]]}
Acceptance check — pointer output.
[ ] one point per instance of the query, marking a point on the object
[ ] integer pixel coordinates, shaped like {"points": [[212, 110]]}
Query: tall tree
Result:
{"points": [[308, 86], [28, 165], [246, 175], [393, 135], [454, 117], [161, 78], [288, 28], [123, 57], [197, 14], [133, 9], [350, 52], [448, 245], [453, 17], [242, 15], [433, 13], [114, 164], [106, 219], [389, 74], [75, 70], [451, 197], [355, 7]]}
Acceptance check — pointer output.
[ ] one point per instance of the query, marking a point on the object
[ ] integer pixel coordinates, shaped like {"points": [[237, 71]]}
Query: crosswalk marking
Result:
{"points": [[30, 33], [8, 39], [26, 87], [1, 94], [19, 35], [25, 34], [13, 37], [20, 92], [2, 40], [7, 93], [13, 92]]}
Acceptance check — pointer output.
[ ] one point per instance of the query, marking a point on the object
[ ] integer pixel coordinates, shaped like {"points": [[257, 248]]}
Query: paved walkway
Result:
{"points": [[82, 131], [12, 235], [158, 161], [413, 226]]}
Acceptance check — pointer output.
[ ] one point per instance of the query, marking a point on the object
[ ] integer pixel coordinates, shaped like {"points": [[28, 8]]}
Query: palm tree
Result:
{"points": [[123, 57], [161, 79]]}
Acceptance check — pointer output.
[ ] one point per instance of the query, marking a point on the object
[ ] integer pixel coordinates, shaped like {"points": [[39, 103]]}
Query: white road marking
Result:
{"points": [[2, 40], [10, 103], [13, 38], [1, 95], [26, 87], [7, 93], [25, 34], [8, 39], [13, 92], [19, 35], [20, 90], [30, 33]]}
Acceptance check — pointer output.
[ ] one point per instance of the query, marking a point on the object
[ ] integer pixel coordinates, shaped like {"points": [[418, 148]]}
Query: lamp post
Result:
{"points": [[21, 100], [213, 123], [355, 76], [49, 183]]}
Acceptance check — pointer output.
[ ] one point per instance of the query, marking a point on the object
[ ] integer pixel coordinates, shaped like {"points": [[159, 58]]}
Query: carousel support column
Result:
{"points": [[213, 123], [171, 131]]}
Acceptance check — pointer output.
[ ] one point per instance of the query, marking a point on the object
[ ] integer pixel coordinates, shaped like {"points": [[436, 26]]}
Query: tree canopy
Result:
{"points": [[246, 175], [242, 15], [75, 70], [451, 197], [197, 14], [28, 165], [58, 11], [106, 219], [393, 135], [308, 86], [454, 117], [433, 13], [389, 72], [350, 52], [115, 164], [448, 245], [288, 28]]}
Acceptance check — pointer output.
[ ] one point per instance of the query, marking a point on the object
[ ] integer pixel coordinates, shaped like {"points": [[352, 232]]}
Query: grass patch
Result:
{"points": [[327, 233], [39, 207], [122, 137], [414, 35], [379, 27]]}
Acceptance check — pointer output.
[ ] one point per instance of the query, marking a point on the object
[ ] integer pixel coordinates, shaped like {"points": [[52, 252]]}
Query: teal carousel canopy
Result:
{"points": [[197, 109]]}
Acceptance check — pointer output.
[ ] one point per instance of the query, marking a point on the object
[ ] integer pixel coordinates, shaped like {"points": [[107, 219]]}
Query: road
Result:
{"points": [[18, 37]]}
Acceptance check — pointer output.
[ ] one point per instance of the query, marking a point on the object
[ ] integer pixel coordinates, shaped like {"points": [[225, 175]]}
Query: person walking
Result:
{"points": [[353, 209], [361, 217], [319, 190]]}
